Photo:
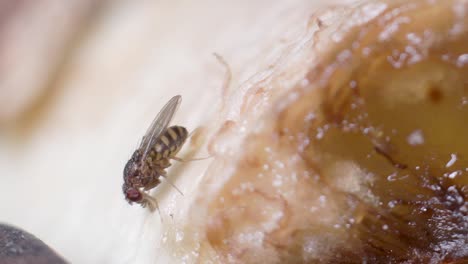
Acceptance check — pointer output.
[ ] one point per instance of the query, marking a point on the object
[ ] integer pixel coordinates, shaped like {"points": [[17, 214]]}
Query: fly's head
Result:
{"points": [[133, 195]]}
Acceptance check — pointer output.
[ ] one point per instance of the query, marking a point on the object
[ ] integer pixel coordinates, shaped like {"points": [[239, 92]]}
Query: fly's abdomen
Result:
{"points": [[169, 143]]}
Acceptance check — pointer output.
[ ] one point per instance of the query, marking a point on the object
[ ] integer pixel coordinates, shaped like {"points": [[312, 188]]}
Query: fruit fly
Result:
{"points": [[148, 163]]}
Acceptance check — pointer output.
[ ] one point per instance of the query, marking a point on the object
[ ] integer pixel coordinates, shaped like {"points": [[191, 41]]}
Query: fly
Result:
{"points": [[149, 162]]}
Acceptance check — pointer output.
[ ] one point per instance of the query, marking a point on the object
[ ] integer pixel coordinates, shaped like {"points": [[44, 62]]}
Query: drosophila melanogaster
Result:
{"points": [[159, 145]]}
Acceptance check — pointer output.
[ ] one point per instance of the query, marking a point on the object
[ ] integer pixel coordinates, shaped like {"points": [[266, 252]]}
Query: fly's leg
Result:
{"points": [[151, 203], [197, 137], [161, 172], [178, 159], [197, 140], [187, 160], [153, 182], [157, 170], [163, 164]]}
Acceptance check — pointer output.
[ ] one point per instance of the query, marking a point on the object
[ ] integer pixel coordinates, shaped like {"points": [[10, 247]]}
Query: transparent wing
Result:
{"points": [[160, 123]]}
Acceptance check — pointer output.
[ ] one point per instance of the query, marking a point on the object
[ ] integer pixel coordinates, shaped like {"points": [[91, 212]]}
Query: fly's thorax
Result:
{"points": [[132, 166], [169, 143]]}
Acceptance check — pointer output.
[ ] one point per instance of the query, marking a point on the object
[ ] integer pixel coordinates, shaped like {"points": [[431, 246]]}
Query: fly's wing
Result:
{"points": [[159, 125]]}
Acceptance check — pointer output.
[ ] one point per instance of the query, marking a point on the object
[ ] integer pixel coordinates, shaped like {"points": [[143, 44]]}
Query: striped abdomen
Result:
{"points": [[169, 143]]}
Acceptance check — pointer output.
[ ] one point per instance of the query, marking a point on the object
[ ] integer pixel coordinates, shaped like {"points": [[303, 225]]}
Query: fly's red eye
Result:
{"points": [[133, 195]]}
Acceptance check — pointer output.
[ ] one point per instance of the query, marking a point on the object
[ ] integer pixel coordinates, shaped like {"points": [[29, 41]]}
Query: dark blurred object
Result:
{"points": [[19, 247]]}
